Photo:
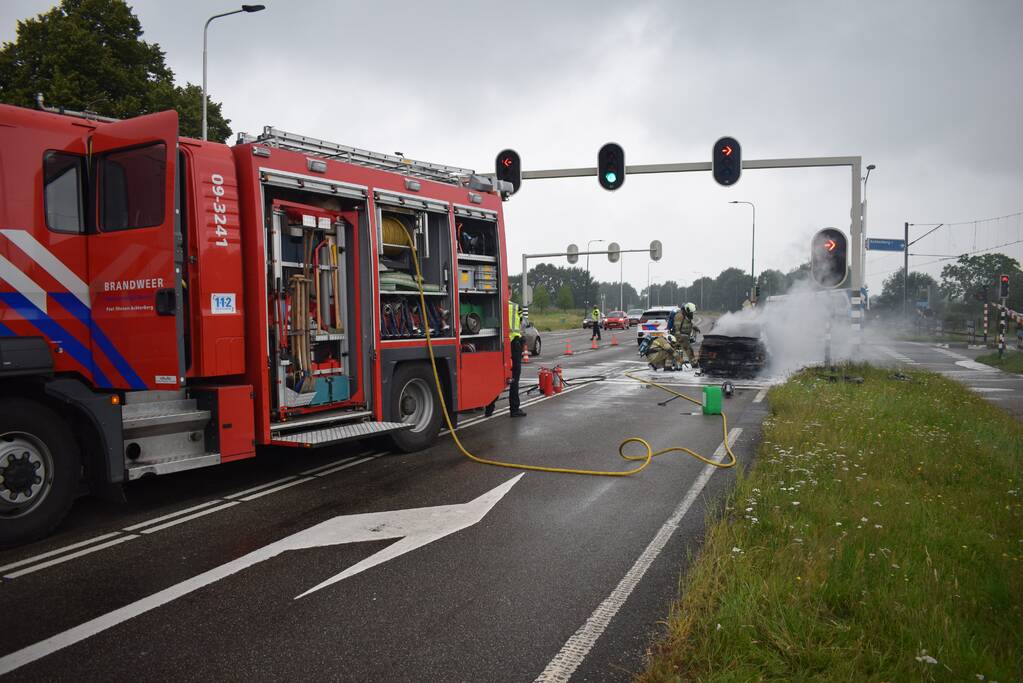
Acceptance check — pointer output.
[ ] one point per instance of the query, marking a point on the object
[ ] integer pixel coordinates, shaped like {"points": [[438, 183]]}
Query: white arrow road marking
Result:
{"points": [[416, 528]]}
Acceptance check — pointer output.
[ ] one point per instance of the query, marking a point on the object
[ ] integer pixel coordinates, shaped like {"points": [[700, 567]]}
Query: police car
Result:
{"points": [[654, 322]]}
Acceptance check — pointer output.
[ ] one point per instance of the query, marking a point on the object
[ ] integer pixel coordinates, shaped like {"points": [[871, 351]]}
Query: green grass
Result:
{"points": [[1011, 362], [553, 319], [881, 524]]}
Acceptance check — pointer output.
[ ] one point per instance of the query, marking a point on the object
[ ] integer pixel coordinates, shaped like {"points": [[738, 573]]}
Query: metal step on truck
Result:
{"points": [[168, 304]]}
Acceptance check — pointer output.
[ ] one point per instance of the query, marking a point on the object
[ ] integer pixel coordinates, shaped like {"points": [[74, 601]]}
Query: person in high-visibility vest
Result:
{"points": [[515, 332], [595, 315]]}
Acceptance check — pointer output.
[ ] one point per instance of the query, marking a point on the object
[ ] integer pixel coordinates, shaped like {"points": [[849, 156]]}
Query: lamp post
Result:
{"points": [[753, 252], [244, 8], [648, 264], [588, 271]]}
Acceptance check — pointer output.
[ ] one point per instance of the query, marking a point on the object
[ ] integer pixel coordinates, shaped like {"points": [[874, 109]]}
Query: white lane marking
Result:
{"points": [[178, 513], [572, 654], [260, 487], [189, 518], [316, 470], [896, 355], [58, 551], [275, 489], [951, 354], [415, 528], [346, 465], [974, 365], [66, 558], [760, 396], [985, 390]]}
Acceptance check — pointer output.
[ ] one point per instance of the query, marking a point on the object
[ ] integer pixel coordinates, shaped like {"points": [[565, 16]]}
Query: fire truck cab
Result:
{"points": [[168, 303]]}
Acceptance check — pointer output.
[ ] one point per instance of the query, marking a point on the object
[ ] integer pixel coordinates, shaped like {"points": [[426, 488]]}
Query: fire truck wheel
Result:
{"points": [[414, 400], [39, 471]]}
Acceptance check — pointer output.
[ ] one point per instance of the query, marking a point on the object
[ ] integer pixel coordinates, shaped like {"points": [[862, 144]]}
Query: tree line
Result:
{"points": [[572, 287], [960, 294]]}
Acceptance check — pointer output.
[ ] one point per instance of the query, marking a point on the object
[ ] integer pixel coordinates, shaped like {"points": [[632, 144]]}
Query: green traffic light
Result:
{"points": [[611, 177]]}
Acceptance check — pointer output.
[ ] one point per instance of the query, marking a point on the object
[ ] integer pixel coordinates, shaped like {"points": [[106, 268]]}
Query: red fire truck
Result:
{"points": [[168, 304]]}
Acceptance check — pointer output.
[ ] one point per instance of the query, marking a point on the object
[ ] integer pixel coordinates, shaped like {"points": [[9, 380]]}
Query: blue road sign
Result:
{"points": [[875, 244]]}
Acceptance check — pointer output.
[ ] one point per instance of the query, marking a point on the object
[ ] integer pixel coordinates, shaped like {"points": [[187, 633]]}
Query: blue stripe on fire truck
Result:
{"points": [[75, 307], [51, 329]]}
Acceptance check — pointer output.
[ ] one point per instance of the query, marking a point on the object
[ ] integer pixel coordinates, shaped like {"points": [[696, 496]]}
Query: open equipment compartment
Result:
{"points": [[311, 249], [427, 223], [481, 320]]}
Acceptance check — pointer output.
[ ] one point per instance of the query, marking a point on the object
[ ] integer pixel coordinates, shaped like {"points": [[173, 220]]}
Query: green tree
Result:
{"points": [[89, 55], [541, 299], [971, 275], [565, 298], [892, 291]]}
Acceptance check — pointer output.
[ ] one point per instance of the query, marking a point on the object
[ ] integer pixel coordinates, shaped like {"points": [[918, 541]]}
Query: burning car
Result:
{"points": [[741, 353]]}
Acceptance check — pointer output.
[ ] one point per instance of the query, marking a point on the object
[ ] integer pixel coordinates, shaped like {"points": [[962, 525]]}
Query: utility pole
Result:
{"points": [[905, 276]]}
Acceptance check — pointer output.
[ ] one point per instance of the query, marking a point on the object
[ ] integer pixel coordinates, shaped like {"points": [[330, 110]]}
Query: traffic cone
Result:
{"points": [[568, 347], [525, 355], [614, 339], [593, 343]]}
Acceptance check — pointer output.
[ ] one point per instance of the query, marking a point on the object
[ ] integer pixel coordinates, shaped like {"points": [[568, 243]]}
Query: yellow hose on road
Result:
{"points": [[645, 458]]}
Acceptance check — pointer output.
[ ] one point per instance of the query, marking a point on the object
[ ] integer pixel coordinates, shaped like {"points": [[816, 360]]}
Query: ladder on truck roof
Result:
{"points": [[272, 137]]}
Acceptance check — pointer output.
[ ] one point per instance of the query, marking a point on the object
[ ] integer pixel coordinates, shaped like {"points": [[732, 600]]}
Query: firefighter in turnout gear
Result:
{"points": [[683, 329], [595, 316]]}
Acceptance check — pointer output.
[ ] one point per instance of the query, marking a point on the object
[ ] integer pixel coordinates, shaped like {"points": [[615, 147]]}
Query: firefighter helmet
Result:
{"points": [[690, 308]]}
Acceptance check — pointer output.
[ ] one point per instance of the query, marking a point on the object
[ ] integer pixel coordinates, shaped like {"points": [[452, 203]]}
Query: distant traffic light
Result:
{"points": [[509, 168], [611, 166], [828, 257], [726, 161], [1003, 286]]}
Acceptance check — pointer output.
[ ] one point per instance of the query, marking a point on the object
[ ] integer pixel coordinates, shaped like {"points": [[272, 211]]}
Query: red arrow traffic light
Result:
{"points": [[507, 161], [830, 245], [726, 150]]}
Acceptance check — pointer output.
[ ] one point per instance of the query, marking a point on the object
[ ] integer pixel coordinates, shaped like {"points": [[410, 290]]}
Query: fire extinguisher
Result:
{"points": [[545, 379], [557, 380]]}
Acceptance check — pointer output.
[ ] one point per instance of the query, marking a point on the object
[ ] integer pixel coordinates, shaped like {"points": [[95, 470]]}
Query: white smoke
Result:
{"points": [[793, 327]]}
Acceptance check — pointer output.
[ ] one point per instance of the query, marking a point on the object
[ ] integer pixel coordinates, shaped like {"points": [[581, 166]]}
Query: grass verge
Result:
{"points": [[551, 320], [878, 537], [1011, 362]]}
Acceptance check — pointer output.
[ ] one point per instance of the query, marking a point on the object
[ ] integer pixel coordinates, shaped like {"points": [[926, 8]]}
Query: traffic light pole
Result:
{"points": [[525, 267], [854, 164]]}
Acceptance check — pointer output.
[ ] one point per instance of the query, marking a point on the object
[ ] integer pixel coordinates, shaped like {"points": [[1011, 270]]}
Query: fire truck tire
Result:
{"points": [[40, 468], [414, 400]]}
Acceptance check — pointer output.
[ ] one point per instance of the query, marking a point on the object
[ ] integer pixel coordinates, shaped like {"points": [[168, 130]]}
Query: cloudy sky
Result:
{"points": [[929, 91]]}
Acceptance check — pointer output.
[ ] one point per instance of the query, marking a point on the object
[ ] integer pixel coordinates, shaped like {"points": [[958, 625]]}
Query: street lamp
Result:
{"points": [[244, 8], [588, 270], [870, 168], [648, 264], [753, 252]]}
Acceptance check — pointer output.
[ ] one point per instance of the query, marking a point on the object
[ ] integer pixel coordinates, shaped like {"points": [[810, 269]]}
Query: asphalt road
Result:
{"points": [[302, 564], [1004, 389]]}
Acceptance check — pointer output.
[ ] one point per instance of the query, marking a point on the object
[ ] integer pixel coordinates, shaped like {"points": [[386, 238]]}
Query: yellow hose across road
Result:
{"points": [[649, 454]]}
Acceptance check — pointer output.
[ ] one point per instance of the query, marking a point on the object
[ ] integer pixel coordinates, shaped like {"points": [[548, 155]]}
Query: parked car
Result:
{"points": [[634, 315], [531, 338], [654, 323], [616, 320], [588, 321]]}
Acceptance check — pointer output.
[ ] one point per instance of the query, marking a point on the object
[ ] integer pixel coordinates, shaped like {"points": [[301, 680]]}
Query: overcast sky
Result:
{"points": [[929, 91]]}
